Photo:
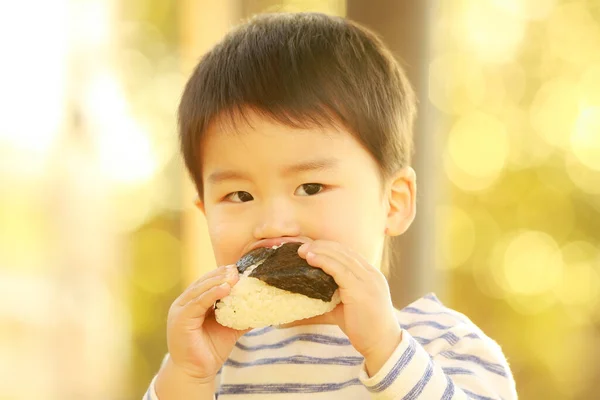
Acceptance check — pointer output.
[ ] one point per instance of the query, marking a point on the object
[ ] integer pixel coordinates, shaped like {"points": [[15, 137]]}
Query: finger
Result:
{"points": [[359, 258], [213, 278], [200, 306], [187, 293], [341, 254], [201, 287], [343, 276]]}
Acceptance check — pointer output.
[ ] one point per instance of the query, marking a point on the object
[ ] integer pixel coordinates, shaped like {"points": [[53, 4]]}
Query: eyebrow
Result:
{"points": [[311, 165], [306, 166]]}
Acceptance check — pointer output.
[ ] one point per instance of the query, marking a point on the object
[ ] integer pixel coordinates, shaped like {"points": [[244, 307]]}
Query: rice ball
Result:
{"points": [[276, 287]]}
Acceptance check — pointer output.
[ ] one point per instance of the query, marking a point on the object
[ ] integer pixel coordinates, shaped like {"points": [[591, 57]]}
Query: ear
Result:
{"points": [[200, 204], [401, 202]]}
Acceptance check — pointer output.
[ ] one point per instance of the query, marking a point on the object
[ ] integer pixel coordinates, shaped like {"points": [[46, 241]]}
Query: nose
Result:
{"points": [[278, 218]]}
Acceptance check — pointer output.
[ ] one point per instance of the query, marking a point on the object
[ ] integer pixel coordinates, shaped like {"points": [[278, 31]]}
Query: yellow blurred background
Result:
{"points": [[98, 233]]}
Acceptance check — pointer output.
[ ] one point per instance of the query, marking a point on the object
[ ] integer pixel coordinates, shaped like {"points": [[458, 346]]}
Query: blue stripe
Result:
{"points": [[448, 337], [305, 337], [414, 310], [398, 367], [432, 297], [494, 368], [449, 392], [476, 396], [457, 371], [258, 332], [298, 359], [433, 324], [418, 388], [286, 388]]}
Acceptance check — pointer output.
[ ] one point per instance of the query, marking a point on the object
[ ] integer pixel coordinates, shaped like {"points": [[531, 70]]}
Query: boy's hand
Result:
{"points": [[198, 344], [366, 314]]}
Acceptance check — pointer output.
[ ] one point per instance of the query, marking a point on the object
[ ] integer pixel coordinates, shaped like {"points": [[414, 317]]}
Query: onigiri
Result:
{"points": [[276, 287]]}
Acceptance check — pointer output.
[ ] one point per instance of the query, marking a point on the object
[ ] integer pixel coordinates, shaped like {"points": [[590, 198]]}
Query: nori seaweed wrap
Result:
{"points": [[283, 268]]}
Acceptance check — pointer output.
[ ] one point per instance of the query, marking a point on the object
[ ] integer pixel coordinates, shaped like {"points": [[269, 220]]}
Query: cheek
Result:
{"points": [[357, 222], [228, 240]]}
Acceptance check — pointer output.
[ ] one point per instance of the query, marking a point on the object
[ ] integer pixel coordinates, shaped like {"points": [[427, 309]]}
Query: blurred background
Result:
{"points": [[98, 233]]}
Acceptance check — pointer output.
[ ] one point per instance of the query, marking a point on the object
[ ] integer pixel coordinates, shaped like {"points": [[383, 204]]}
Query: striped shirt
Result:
{"points": [[442, 355]]}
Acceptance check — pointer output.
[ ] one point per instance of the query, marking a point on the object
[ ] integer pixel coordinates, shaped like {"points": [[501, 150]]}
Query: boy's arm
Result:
{"points": [[475, 365], [170, 383], [465, 364]]}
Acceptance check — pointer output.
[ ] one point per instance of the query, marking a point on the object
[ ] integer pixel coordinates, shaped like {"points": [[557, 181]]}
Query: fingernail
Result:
{"points": [[224, 285], [303, 248]]}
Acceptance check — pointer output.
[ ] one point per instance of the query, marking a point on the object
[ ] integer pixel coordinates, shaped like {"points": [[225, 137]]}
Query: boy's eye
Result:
{"points": [[309, 189], [239, 197]]}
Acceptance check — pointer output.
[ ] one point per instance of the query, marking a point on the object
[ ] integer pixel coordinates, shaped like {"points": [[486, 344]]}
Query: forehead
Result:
{"points": [[257, 139]]}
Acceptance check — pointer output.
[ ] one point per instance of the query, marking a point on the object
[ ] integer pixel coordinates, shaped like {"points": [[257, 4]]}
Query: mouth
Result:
{"points": [[274, 242]]}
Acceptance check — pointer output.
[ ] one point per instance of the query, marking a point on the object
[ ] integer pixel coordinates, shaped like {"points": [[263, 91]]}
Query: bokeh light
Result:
{"points": [[532, 263], [585, 139], [477, 150], [527, 177], [554, 111], [489, 30]]}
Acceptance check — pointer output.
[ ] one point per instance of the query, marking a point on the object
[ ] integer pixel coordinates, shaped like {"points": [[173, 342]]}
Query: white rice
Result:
{"points": [[254, 304]]}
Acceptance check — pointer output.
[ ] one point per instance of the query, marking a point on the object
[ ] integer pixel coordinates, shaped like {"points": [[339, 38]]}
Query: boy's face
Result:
{"points": [[266, 183]]}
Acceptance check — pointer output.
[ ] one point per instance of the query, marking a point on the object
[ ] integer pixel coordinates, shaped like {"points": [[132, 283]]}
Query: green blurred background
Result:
{"points": [[98, 233]]}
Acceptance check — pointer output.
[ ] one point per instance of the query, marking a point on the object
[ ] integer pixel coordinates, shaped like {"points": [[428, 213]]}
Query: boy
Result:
{"points": [[297, 127]]}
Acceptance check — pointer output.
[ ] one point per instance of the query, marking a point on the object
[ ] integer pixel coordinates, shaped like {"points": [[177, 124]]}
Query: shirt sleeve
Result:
{"points": [[459, 367]]}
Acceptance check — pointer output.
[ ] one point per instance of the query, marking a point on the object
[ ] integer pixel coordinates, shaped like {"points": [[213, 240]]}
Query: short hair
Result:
{"points": [[303, 70]]}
